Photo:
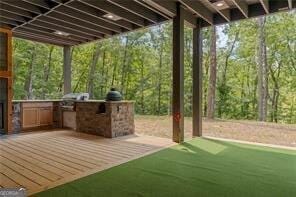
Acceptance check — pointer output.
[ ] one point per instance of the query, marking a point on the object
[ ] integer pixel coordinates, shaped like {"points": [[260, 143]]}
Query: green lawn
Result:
{"points": [[200, 167]]}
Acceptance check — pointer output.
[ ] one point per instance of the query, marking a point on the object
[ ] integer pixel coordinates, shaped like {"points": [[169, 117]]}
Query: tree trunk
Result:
{"points": [[222, 87], [28, 83], [262, 72], [104, 76], [47, 69], [213, 77], [124, 65], [160, 73], [61, 82], [92, 70], [205, 90], [275, 75], [142, 86]]}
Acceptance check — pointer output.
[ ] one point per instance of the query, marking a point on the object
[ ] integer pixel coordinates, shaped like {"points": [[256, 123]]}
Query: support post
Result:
{"points": [[178, 75], [197, 81], [6, 94], [67, 69]]}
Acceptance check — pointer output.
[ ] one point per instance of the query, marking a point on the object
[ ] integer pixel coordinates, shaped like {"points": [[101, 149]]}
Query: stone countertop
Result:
{"points": [[35, 101]]}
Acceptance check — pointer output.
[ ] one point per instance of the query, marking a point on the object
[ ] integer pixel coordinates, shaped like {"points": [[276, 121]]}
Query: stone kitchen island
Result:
{"points": [[104, 118], [108, 119]]}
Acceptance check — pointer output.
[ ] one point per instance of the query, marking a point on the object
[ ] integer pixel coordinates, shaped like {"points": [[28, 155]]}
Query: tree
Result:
{"points": [[213, 76], [262, 72], [92, 70], [29, 79]]}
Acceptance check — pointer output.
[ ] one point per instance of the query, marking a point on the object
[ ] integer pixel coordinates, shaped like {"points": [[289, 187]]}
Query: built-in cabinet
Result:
{"points": [[37, 115]]}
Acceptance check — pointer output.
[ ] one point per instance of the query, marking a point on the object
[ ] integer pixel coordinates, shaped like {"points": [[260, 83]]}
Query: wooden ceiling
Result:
{"points": [[82, 21]]}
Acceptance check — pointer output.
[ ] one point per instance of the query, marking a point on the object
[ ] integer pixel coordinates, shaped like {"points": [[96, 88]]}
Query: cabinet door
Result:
{"points": [[30, 117], [46, 116]]}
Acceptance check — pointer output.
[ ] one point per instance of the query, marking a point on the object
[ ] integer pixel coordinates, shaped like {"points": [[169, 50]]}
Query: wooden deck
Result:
{"points": [[42, 160]]}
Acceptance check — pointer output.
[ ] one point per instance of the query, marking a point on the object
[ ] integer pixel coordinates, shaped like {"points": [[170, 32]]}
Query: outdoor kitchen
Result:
{"points": [[109, 118]]}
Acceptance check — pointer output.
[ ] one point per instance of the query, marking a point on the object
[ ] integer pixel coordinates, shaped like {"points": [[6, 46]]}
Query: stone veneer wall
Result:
{"points": [[16, 118], [117, 120]]}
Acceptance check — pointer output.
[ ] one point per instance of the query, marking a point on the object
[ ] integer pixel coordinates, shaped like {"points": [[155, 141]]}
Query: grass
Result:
{"points": [[246, 130], [200, 167]]}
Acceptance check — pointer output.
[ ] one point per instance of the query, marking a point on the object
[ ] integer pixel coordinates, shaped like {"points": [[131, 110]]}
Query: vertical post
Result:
{"points": [[178, 75], [67, 69], [197, 81], [6, 78]]}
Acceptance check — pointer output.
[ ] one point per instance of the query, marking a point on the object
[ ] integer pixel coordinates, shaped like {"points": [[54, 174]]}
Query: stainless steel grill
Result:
{"points": [[68, 102]]}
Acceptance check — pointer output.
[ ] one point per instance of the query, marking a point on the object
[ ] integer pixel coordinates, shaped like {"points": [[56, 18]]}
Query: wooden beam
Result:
{"points": [[37, 38], [7, 74], [11, 16], [40, 3], [67, 70], [145, 4], [99, 33], [8, 21], [169, 8], [16, 11], [199, 9], [197, 81], [137, 9], [265, 5], [242, 6], [166, 7], [43, 33], [94, 17], [56, 27], [108, 7], [49, 31], [24, 6], [178, 75]]}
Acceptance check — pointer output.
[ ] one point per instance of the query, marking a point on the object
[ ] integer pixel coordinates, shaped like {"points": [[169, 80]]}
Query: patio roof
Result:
{"points": [[73, 22]]}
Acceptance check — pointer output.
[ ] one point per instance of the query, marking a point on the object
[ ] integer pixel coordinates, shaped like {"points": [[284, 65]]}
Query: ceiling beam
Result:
{"points": [[24, 6], [48, 35], [169, 8], [86, 18], [98, 14], [99, 32], [78, 23], [189, 19], [143, 3], [40, 3], [36, 38], [56, 27], [137, 9], [199, 9], [8, 21], [225, 13], [108, 7], [242, 6], [11, 16], [265, 5], [47, 30], [15, 10]]}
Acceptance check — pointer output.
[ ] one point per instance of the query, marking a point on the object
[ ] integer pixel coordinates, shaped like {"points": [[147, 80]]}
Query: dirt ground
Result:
{"points": [[253, 131]]}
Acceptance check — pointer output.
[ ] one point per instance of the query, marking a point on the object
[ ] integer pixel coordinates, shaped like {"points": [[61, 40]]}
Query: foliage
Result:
{"points": [[139, 64]]}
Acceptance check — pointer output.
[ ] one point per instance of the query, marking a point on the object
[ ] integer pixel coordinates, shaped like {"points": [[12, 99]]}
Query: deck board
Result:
{"points": [[42, 160]]}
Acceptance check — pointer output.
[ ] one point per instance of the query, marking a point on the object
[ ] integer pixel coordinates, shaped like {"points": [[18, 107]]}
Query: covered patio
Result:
{"points": [[41, 160]]}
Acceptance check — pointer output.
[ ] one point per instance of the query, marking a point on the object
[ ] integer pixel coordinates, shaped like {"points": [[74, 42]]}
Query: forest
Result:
{"points": [[249, 69]]}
